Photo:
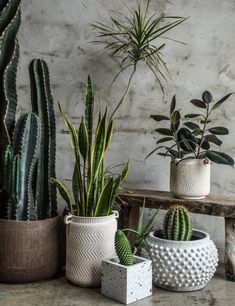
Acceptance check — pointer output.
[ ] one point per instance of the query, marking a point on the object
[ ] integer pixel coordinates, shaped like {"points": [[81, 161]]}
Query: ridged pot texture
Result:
{"points": [[89, 240]]}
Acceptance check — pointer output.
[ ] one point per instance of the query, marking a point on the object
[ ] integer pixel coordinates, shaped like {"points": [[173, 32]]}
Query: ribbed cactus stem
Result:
{"points": [[177, 224], [123, 249], [42, 104]]}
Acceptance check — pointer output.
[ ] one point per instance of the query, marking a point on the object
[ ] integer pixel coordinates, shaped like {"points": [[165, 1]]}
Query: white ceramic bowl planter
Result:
{"points": [[183, 265], [190, 178], [127, 284], [89, 241]]}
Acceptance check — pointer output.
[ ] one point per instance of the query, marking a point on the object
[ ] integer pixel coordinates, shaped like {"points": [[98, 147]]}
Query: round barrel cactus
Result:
{"points": [[177, 224]]}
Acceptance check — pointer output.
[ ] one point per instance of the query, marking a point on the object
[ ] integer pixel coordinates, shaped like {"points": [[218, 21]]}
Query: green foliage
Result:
{"points": [[133, 39], [177, 224], [123, 249], [94, 188], [190, 139]]}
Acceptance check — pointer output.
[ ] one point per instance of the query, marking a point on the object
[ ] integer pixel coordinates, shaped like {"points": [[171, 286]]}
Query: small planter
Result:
{"points": [[127, 284], [183, 265], [29, 249], [89, 241], [190, 178]]}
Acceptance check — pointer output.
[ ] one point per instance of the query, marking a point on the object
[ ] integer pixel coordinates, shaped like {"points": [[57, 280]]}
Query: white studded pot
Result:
{"points": [[183, 265], [89, 240], [190, 178]]}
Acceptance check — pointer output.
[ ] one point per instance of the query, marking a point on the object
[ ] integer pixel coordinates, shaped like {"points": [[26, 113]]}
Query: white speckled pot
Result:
{"points": [[190, 178], [127, 284], [89, 240], [183, 265]]}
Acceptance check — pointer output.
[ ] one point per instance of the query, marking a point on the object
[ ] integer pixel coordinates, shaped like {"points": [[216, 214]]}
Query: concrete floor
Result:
{"points": [[58, 292]]}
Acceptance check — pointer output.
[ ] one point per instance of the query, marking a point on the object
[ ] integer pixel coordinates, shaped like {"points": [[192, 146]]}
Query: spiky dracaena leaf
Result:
{"points": [[123, 249], [42, 105]]}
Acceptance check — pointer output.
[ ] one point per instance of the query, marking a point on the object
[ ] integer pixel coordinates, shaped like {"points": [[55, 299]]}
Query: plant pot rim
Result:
{"points": [[31, 221], [192, 161], [115, 261], [90, 220], [204, 237]]}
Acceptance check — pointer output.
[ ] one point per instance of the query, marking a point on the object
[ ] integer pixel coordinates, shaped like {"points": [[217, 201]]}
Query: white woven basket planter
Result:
{"points": [[89, 241], [127, 284], [190, 178], [183, 265]]}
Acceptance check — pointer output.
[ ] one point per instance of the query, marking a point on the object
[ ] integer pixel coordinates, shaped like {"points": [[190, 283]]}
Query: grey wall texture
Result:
{"points": [[59, 32]]}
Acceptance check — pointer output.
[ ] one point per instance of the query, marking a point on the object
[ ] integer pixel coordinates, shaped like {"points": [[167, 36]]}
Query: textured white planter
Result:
{"points": [[183, 265], [190, 178], [89, 240], [127, 284]]}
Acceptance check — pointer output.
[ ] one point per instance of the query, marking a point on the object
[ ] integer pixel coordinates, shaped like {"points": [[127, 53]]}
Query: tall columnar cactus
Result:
{"points": [[9, 53], [42, 105], [177, 224], [20, 169], [123, 249]]}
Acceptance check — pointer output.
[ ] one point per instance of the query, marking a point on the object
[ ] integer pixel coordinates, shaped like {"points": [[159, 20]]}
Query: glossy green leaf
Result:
{"points": [[164, 139], [164, 131], [192, 125], [213, 139], [198, 103], [159, 117], [192, 115], [205, 145], [220, 158], [221, 101], [207, 97], [173, 104], [219, 130]]}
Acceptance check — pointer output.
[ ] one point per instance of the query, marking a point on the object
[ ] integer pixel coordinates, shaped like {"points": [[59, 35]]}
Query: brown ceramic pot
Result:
{"points": [[29, 250]]}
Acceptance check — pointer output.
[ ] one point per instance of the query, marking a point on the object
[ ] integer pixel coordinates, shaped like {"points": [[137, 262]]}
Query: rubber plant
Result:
{"points": [[133, 38], [27, 148], [94, 187], [187, 139]]}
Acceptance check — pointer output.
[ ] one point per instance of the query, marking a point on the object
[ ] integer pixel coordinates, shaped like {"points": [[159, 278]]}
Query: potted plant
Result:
{"points": [[131, 39], [125, 277], [184, 259], [91, 224], [29, 224], [190, 147]]}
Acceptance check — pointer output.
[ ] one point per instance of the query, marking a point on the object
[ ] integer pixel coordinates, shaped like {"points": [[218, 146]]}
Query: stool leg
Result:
{"points": [[230, 249]]}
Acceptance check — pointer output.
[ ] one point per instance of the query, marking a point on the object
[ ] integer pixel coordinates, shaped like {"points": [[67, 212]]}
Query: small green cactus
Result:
{"points": [[123, 249], [177, 224]]}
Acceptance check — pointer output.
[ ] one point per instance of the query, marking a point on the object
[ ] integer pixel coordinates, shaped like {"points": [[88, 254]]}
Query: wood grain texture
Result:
{"points": [[215, 205]]}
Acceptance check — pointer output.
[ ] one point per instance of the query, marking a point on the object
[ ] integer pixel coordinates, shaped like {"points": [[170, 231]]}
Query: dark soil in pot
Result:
{"points": [[159, 234], [31, 250]]}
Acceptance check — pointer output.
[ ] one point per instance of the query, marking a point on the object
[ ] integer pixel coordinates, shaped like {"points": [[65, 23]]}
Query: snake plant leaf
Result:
{"points": [[159, 117], [104, 205], [125, 171], [89, 109], [83, 139], [109, 134], [220, 158], [222, 100], [212, 138], [63, 192], [218, 130], [207, 97]]}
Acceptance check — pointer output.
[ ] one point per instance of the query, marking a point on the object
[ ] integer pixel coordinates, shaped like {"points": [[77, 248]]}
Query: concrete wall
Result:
{"points": [[59, 32]]}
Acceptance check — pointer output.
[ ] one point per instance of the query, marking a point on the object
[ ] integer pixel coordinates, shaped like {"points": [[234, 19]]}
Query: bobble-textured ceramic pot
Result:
{"points": [[190, 178], [183, 265], [89, 240]]}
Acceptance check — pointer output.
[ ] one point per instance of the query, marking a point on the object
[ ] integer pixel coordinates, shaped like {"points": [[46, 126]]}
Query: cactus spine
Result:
{"points": [[177, 224], [123, 249], [27, 149]]}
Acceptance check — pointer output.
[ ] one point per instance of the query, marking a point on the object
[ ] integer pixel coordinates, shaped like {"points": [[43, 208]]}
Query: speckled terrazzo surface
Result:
{"points": [[58, 292]]}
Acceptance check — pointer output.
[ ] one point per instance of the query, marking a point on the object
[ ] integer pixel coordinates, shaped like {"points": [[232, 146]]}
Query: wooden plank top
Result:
{"points": [[216, 205]]}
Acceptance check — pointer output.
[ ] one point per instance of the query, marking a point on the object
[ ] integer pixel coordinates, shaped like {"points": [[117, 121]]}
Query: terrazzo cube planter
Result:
{"points": [[127, 284]]}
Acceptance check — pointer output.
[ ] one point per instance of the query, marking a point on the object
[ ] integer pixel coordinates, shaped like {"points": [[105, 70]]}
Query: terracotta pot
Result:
{"points": [[29, 249], [190, 178], [89, 240]]}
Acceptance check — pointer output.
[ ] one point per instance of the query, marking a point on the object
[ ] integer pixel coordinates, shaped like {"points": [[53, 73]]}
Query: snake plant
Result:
{"points": [[94, 188], [27, 148], [133, 38]]}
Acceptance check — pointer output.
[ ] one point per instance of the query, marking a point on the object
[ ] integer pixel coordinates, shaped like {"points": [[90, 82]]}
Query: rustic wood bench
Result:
{"points": [[213, 205]]}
